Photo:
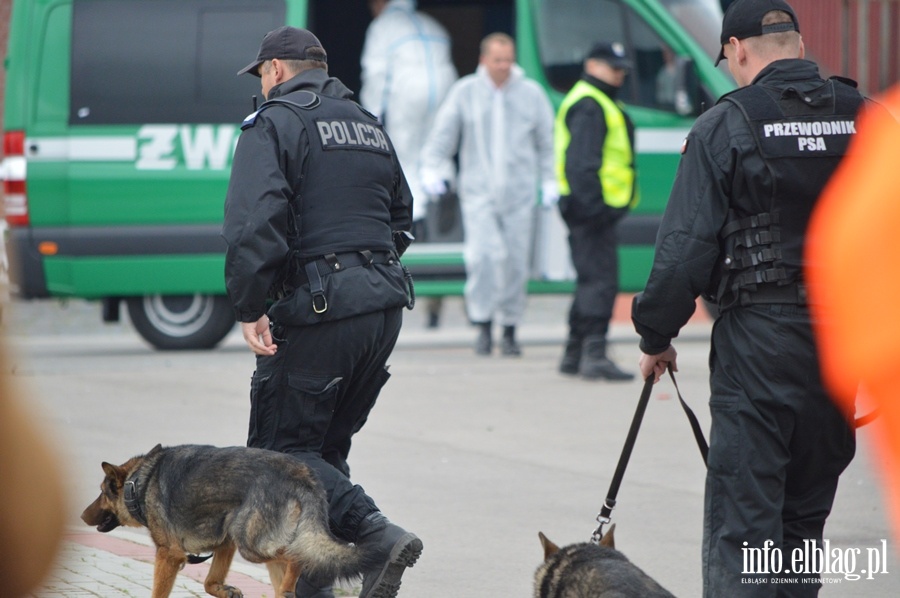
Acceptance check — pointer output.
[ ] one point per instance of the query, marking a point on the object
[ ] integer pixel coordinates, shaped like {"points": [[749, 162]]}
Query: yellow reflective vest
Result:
{"points": [[616, 174]]}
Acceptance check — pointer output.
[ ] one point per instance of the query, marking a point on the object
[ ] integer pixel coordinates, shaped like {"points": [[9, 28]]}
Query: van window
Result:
{"points": [[166, 61], [568, 29]]}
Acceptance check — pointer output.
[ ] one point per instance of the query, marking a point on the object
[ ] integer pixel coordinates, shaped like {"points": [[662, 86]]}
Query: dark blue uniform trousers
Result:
{"points": [[596, 262], [777, 447], [315, 393]]}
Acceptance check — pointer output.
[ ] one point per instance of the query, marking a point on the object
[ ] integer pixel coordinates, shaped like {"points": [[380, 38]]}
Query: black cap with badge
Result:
{"points": [[285, 43], [611, 53], [743, 19]]}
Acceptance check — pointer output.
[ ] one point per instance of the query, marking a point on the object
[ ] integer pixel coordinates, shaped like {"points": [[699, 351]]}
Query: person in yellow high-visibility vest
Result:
{"points": [[594, 143], [852, 248]]}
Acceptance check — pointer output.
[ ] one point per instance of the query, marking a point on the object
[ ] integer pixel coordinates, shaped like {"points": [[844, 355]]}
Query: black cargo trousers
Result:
{"points": [[596, 262], [316, 392], [777, 447]]}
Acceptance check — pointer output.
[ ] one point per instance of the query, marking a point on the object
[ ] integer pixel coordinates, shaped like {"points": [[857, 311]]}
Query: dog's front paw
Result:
{"points": [[220, 590]]}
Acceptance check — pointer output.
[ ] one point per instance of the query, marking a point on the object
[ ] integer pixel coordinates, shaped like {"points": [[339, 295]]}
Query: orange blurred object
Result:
{"points": [[853, 272]]}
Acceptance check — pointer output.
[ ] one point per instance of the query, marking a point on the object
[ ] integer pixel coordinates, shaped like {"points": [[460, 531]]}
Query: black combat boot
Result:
{"points": [[572, 356], [395, 547], [508, 345], [305, 589], [595, 364], [484, 344]]}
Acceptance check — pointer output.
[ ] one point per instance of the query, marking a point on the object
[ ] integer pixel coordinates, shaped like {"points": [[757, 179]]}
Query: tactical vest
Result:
{"points": [[343, 258], [616, 174], [344, 196], [763, 260]]}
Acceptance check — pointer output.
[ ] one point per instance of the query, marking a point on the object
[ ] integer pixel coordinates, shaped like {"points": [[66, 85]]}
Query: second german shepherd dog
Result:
{"points": [[194, 499], [591, 571]]}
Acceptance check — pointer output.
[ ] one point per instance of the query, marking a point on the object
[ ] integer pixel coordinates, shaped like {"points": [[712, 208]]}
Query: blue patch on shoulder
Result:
{"points": [[250, 120]]}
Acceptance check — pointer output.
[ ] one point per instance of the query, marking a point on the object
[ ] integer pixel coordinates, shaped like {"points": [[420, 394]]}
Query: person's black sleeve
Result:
{"points": [[687, 246], [401, 200], [256, 218]]}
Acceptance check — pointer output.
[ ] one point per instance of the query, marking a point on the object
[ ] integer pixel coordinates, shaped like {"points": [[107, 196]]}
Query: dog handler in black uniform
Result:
{"points": [[316, 218], [751, 171]]}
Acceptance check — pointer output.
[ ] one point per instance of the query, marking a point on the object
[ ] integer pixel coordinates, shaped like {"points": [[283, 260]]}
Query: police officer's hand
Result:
{"points": [[258, 336], [657, 364]]}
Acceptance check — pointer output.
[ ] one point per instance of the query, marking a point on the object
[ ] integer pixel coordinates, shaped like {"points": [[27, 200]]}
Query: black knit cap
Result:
{"points": [[285, 43], [743, 19]]}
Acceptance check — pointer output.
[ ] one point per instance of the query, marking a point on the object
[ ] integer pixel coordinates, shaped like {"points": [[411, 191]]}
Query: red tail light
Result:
{"points": [[13, 169]]}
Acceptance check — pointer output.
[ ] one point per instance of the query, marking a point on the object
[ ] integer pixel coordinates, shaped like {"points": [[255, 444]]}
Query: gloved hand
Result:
{"points": [[433, 184], [549, 194]]}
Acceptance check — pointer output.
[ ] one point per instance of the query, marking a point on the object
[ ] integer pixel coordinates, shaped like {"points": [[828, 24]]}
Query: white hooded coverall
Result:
{"points": [[407, 70], [504, 137]]}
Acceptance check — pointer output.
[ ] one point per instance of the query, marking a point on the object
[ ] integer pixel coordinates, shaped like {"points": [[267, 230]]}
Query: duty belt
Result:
{"points": [[330, 263], [791, 294]]}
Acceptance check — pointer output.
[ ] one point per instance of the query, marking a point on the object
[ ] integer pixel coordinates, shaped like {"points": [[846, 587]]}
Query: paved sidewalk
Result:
{"points": [[120, 563]]}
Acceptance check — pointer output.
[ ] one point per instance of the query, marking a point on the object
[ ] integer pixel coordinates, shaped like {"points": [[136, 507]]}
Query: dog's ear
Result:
{"points": [[154, 450], [114, 473], [549, 547], [608, 539]]}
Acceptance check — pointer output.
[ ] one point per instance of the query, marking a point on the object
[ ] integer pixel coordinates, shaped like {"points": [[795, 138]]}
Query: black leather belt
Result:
{"points": [[313, 270]]}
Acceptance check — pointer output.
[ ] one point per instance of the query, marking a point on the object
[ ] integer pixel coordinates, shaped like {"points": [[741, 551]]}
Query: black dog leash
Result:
{"points": [[609, 504]]}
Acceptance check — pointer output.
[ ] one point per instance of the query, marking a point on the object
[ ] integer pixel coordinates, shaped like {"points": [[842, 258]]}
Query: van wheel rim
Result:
{"points": [[178, 316]]}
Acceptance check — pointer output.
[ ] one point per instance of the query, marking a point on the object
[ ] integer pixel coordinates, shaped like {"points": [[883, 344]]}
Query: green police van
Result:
{"points": [[121, 118]]}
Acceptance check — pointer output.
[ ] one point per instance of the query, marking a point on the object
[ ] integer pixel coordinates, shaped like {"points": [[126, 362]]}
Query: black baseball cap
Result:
{"points": [[612, 53], [743, 19], [285, 43]]}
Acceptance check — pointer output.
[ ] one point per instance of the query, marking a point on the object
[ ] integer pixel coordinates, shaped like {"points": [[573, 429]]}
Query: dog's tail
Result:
{"points": [[327, 559]]}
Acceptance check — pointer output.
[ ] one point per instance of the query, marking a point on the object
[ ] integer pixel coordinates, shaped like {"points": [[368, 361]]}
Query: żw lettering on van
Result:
{"points": [[201, 147]]}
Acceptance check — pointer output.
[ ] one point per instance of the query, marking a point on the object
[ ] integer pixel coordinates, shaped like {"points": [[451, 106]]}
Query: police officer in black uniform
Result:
{"points": [[596, 172], [751, 171], [316, 217]]}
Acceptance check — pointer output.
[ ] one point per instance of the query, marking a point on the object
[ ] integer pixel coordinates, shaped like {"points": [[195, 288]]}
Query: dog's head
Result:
{"points": [[104, 511], [108, 511]]}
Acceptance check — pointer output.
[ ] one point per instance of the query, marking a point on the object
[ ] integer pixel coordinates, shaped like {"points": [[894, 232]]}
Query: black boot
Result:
{"points": [[395, 547], [305, 589], [484, 344], [508, 345], [571, 357], [595, 364]]}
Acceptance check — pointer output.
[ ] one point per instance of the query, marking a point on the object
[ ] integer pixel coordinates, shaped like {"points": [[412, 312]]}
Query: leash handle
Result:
{"points": [[695, 424], [610, 502]]}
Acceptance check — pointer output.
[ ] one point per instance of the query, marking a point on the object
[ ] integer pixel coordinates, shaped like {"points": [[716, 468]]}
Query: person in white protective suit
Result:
{"points": [[501, 124], [406, 73], [407, 70]]}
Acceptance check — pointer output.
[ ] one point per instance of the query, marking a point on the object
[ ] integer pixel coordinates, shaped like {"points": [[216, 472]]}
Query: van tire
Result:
{"points": [[177, 322]]}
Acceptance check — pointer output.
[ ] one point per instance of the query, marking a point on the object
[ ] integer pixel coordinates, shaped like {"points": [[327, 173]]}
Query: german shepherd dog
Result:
{"points": [[199, 499], [591, 571]]}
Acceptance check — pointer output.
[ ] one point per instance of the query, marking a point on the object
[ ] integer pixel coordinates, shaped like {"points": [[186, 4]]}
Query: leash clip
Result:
{"points": [[598, 533]]}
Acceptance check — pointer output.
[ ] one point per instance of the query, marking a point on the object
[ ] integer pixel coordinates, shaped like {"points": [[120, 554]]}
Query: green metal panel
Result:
{"points": [[93, 278]]}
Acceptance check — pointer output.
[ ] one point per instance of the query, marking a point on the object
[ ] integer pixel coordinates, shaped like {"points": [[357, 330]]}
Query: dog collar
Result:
{"points": [[133, 501]]}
